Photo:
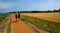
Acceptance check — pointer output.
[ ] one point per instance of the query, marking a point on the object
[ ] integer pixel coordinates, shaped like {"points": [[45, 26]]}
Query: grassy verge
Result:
{"points": [[4, 23], [43, 24], [3, 16]]}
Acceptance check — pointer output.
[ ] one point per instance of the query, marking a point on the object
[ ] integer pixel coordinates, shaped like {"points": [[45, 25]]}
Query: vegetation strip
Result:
{"points": [[36, 29], [5, 24], [43, 24], [3, 16]]}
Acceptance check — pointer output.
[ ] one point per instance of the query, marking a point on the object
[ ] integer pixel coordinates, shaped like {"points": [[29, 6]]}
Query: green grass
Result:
{"points": [[4, 25], [43, 24], [3, 16]]}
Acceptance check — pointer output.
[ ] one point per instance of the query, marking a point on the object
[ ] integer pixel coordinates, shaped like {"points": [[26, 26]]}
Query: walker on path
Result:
{"points": [[17, 16]]}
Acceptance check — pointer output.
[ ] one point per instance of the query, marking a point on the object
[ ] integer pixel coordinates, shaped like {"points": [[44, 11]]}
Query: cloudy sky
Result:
{"points": [[17, 5]]}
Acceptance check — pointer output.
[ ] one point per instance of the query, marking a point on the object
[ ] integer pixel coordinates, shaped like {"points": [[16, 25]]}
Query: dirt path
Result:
{"points": [[20, 26]]}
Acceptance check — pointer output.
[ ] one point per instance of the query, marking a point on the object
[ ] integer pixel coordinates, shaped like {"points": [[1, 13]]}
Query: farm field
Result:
{"points": [[45, 21], [46, 16]]}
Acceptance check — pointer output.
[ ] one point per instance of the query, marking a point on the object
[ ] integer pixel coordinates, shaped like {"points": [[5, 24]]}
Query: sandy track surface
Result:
{"points": [[20, 26], [47, 16]]}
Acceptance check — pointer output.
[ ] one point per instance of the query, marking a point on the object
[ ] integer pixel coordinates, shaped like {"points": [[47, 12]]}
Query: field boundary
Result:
{"points": [[37, 30]]}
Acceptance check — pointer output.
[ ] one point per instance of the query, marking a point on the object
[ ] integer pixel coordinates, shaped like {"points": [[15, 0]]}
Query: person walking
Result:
{"points": [[17, 16]]}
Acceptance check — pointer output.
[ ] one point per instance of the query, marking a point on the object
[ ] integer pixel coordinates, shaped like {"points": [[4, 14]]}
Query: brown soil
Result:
{"points": [[20, 26]]}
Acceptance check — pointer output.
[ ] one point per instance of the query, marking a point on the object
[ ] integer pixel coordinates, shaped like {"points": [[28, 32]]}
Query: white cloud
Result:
{"points": [[5, 5]]}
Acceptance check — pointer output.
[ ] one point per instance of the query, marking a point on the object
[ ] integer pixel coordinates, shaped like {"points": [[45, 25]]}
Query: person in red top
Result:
{"points": [[17, 16]]}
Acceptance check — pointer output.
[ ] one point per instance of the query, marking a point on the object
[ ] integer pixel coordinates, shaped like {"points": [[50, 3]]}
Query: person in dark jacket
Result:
{"points": [[17, 16]]}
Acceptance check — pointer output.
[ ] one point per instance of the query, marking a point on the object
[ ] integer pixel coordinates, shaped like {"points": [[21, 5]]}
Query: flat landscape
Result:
{"points": [[46, 21], [29, 16], [53, 16], [31, 23]]}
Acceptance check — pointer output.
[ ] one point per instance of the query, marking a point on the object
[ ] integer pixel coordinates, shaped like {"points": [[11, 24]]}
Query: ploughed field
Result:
{"points": [[46, 21]]}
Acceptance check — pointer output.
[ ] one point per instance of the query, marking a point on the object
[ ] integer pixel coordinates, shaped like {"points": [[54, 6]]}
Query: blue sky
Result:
{"points": [[17, 5]]}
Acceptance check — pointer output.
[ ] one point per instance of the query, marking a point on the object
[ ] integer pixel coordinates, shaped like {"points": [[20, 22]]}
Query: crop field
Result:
{"points": [[47, 21], [55, 17]]}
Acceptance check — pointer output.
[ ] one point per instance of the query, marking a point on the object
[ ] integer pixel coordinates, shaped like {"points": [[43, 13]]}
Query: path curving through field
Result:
{"points": [[20, 26]]}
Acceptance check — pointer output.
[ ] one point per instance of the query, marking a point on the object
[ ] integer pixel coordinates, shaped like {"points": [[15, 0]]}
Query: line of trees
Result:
{"points": [[57, 10], [38, 11]]}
